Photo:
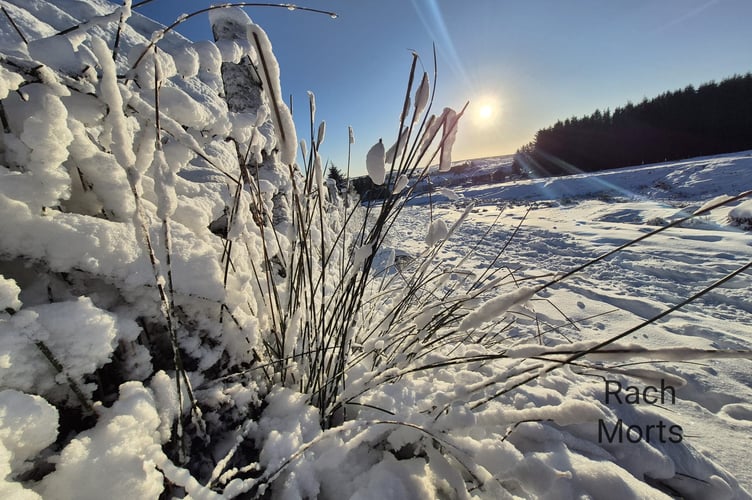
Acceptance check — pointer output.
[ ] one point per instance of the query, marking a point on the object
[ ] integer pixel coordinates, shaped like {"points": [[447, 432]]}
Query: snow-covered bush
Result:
{"points": [[189, 312]]}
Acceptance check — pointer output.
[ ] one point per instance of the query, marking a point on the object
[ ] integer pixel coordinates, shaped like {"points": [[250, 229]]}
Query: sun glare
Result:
{"points": [[486, 112]]}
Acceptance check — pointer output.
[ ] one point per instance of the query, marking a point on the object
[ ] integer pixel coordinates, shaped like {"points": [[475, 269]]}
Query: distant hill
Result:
{"points": [[477, 171], [712, 119]]}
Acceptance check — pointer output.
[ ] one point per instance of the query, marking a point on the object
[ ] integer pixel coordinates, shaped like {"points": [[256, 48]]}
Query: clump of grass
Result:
{"points": [[321, 305]]}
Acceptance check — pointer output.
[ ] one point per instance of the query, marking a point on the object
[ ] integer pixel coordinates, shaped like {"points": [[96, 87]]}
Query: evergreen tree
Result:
{"points": [[336, 175]]}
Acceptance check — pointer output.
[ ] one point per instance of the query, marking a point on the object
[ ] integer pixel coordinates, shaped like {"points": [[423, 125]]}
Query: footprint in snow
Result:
{"points": [[737, 413]]}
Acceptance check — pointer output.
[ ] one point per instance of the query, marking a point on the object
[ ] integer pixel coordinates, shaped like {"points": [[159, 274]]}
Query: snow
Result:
{"points": [[9, 82], [29, 424], [568, 220], [398, 148], [321, 133], [742, 214], [115, 121], [80, 336], [163, 293], [449, 136], [46, 136], [186, 61], [422, 94], [700, 178], [448, 193], [496, 307], [97, 460], [269, 72], [60, 52], [375, 163], [400, 184], [437, 232], [164, 186], [361, 254], [9, 295], [209, 63]]}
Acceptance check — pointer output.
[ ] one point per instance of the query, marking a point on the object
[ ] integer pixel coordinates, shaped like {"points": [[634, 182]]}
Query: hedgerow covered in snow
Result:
{"points": [[190, 312]]}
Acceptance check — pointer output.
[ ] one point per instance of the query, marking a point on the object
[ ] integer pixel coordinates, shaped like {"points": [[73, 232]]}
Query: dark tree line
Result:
{"points": [[714, 118]]}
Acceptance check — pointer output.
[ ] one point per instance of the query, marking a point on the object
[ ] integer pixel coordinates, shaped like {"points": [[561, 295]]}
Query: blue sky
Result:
{"points": [[528, 63]]}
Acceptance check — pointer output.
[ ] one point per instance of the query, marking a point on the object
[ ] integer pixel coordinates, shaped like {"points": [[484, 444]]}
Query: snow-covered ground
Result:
{"points": [[183, 317], [567, 221]]}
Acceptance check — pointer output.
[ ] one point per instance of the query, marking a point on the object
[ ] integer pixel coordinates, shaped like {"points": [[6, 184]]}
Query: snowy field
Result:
{"points": [[567, 221], [190, 311]]}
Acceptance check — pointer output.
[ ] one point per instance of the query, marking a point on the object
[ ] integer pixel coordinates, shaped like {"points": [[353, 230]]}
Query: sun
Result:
{"points": [[486, 112]]}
